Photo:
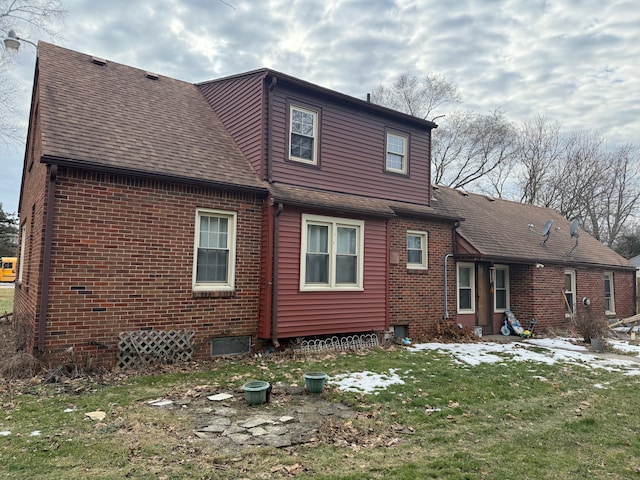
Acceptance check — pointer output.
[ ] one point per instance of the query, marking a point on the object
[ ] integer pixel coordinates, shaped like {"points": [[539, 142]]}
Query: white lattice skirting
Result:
{"points": [[141, 348]]}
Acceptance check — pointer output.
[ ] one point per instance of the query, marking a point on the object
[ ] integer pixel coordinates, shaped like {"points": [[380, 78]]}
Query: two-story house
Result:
{"points": [[257, 208]]}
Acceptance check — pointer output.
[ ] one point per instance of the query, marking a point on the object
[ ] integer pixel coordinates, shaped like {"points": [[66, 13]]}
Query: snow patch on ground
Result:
{"points": [[537, 350]]}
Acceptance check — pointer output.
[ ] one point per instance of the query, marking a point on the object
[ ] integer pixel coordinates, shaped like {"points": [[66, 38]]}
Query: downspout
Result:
{"points": [[274, 283], [456, 224], [444, 276], [46, 257], [270, 88]]}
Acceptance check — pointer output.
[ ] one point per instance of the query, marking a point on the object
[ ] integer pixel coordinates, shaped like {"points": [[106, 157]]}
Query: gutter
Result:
{"points": [[46, 257], [274, 283]]}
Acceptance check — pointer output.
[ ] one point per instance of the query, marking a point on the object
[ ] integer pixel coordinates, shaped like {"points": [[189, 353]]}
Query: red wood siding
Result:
{"points": [[320, 313], [351, 152], [266, 271], [240, 105]]}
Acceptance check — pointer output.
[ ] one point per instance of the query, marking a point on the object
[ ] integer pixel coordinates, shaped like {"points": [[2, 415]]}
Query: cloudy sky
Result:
{"points": [[576, 61]]}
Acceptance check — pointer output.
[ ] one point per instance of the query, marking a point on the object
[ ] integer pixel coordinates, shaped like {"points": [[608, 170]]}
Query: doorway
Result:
{"points": [[483, 298]]}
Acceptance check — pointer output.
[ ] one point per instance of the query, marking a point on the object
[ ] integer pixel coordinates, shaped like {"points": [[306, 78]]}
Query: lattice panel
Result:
{"points": [[141, 348], [345, 343]]}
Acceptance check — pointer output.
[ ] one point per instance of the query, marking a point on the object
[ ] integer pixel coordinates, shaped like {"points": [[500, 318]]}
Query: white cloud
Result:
{"points": [[573, 60]]}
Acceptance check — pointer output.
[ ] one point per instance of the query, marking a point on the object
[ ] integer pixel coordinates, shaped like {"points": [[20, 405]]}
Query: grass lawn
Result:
{"points": [[6, 299], [513, 420]]}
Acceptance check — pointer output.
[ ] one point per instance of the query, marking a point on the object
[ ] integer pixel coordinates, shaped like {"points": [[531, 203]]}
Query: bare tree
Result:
{"points": [[540, 147], [417, 96], [470, 147], [30, 19]]}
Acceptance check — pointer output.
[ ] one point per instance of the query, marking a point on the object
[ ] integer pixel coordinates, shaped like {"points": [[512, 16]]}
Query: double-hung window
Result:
{"points": [[466, 288], [417, 250], [609, 304], [214, 250], [332, 253], [501, 288], [396, 158], [570, 292], [303, 141]]}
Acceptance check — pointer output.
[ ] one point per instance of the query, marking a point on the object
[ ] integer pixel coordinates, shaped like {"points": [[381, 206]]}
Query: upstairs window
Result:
{"points": [[332, 253], [609, 304], [396, 153], [214, 250], [417, 250], [303, 144]]}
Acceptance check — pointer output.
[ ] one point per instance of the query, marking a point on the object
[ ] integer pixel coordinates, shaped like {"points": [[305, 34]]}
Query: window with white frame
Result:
{"points": [[214, 250], [303, 141], [570, 292], [396, 160], [23, 244], [501, 288], [417, 250], [609, 304], [466, 288], [332, 253]]}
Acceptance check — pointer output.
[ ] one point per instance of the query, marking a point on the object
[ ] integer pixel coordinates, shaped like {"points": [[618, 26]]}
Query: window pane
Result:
{"points": [[607, 286], [501, 299], [346, 269], [414, 256], [464, 277], [465, 299], [212, 265], [569, 308], [414, 242], [567, 282], [302, 147], [500, 279], [317, 239], [302, 123], [394, 161], [395, 144], [317, 268], [347, 240]]}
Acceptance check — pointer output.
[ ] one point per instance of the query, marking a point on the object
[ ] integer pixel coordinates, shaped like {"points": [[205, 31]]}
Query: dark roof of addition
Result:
{"points": [[341, 202], [103, 115], [499, 230]]}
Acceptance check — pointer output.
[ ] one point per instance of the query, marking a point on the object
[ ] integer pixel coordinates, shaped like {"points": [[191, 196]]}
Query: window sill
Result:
{"points": [[417, 268], [213, 293], [331, 289]]}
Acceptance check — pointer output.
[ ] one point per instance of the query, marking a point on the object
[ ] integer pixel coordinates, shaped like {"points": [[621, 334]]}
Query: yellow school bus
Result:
{"points": [[8, 269]]}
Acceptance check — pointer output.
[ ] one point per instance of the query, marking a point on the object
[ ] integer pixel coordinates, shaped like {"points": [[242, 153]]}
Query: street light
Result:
{"points": [[12, 42]]}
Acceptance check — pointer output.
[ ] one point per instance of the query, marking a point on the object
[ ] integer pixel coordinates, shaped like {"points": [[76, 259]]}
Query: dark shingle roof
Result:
{"points": [[342, 202], [115, 117], [498, 229]]}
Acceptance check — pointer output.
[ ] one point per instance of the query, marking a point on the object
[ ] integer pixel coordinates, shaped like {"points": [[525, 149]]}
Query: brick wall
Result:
{"points": [[538, 293], [122, 261], [32, 216], [416, 297]]}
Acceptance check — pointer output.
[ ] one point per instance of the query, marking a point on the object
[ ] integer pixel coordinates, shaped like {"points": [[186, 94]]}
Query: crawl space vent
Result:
{"points": [[230, 345]]}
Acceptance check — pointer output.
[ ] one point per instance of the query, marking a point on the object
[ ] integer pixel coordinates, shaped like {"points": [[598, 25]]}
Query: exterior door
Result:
{"points": [[483, 300]]}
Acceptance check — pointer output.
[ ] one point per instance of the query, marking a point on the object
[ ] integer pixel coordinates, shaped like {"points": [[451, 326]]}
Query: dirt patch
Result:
{"points": [[291, 418]]}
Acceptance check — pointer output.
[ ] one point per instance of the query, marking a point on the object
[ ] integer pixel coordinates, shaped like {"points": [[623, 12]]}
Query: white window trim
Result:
{"points": [[229, 285], [573, 291], [333, 223], [314, 155], [23, 244], [405, 157], [613, 302], [507, 286], [425, 256], [472, 277]]}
